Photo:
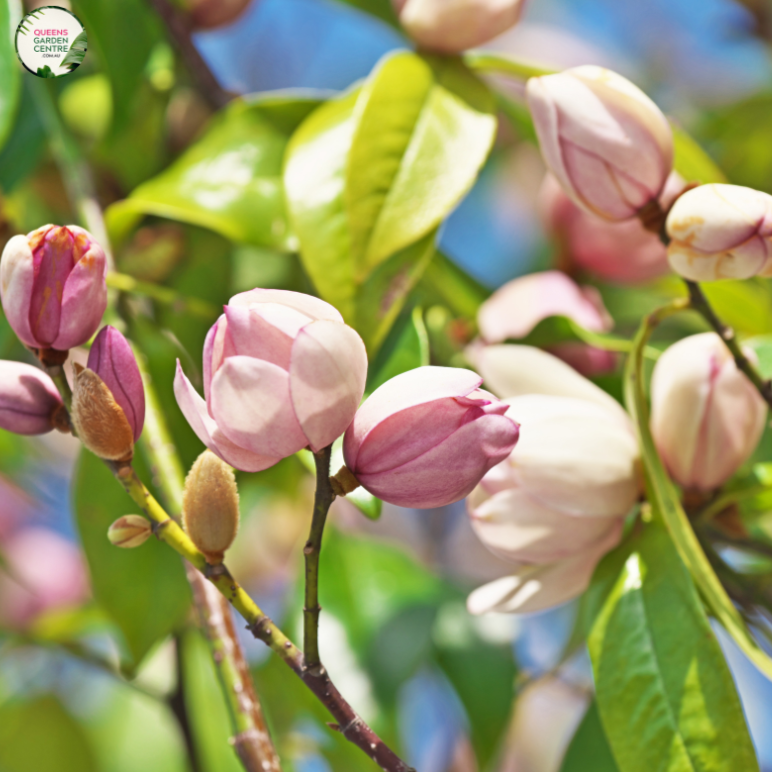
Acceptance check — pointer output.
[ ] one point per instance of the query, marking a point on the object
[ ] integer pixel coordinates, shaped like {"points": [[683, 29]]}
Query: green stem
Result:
{"points": [[486, 62], [165, 295], [322, 501], [717, 506], [56, 372], [700, 304]]}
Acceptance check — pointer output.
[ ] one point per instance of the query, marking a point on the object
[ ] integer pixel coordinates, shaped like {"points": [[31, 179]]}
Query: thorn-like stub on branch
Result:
{"points": [[98, 419], [210, 506], [343, 482], [129, 531], [51, 357]]}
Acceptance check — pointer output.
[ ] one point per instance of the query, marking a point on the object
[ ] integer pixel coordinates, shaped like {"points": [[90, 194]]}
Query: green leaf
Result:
{"points": [[228, 181], [589, 750], [405, 349], [143, 590], [9, 74], [123, 60], [665, 501], [25, 146], [74, 57], [382, 9], [41, 735], [206, 707], [762, 345], [462, 294], [371, 175], [692, 162], [665, 694], [746, 306]]}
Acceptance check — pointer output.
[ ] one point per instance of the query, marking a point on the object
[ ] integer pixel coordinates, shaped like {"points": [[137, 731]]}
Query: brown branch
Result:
{"points": [[180, 29]]}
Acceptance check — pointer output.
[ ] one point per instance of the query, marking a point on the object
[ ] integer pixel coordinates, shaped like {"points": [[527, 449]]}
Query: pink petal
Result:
{"points": [[450, 470], [328, 371], [306, 304], [84, 300], [251, 404], [414, 387], [209, 347], [265, 331], [17, 276], [195, 412], [27, 398], [112, 359]]}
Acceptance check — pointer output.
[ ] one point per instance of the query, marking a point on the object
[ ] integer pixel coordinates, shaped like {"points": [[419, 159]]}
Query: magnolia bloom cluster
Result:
{"points": [[513, 311], [451, 26], [557, 503], [706, 416]]}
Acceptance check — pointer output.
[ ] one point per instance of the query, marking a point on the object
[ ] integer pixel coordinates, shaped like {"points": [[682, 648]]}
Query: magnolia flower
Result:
{"points": [[721, 232], [451, 26], [621, 252], [706, 416], [515, 309], [426, 437], [556, 505], [281, 372], [608, 144], [52, 284], [29, 400]]}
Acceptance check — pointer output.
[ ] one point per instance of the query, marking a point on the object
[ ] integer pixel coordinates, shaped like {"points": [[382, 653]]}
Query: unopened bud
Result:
{"points": [[210, 506], [98, 419], [129, 531]]}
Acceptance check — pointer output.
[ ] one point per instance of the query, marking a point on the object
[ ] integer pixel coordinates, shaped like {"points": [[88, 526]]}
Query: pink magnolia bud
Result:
{"points": [[29, 400], [52, 284], [706, 416], [451, 26], [426, 437], [517, 307], [621, 252], [112, 359], [721, 232], [608, 144], [281, 372]]}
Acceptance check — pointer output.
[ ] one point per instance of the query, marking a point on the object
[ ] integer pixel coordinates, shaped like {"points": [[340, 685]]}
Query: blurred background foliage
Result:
{"points": [[95, 662]]}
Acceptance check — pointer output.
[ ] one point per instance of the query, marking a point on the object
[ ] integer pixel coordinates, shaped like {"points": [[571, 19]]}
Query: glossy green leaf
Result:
{"points": [[107, 25], [228, 181], [406, 348], [372, 174], [143, 590], [40, 735], [762, 345], [589, 750], [692, 162], [460, 292], [665, 694], [74, 57], [665, 500], [746, 306], [10, 72], [207, 711]]}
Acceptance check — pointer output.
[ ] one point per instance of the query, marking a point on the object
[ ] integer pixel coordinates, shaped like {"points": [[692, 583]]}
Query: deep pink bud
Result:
{"points": [[112, 359], [28, 399], [426, 437], [608, 144], [282, 371], [706, 415], [622, 252], [516, 308], [52, 284]]}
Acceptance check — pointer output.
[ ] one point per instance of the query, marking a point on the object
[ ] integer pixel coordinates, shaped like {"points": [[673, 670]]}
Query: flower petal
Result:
{"points": [[327, 380], [414, 387], [251, 404], [195, 412], [306, 304], [17, 276]]}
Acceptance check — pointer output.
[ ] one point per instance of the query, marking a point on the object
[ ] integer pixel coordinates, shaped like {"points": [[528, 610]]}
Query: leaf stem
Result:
{"points": [[194, 306], [322, 500]]}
